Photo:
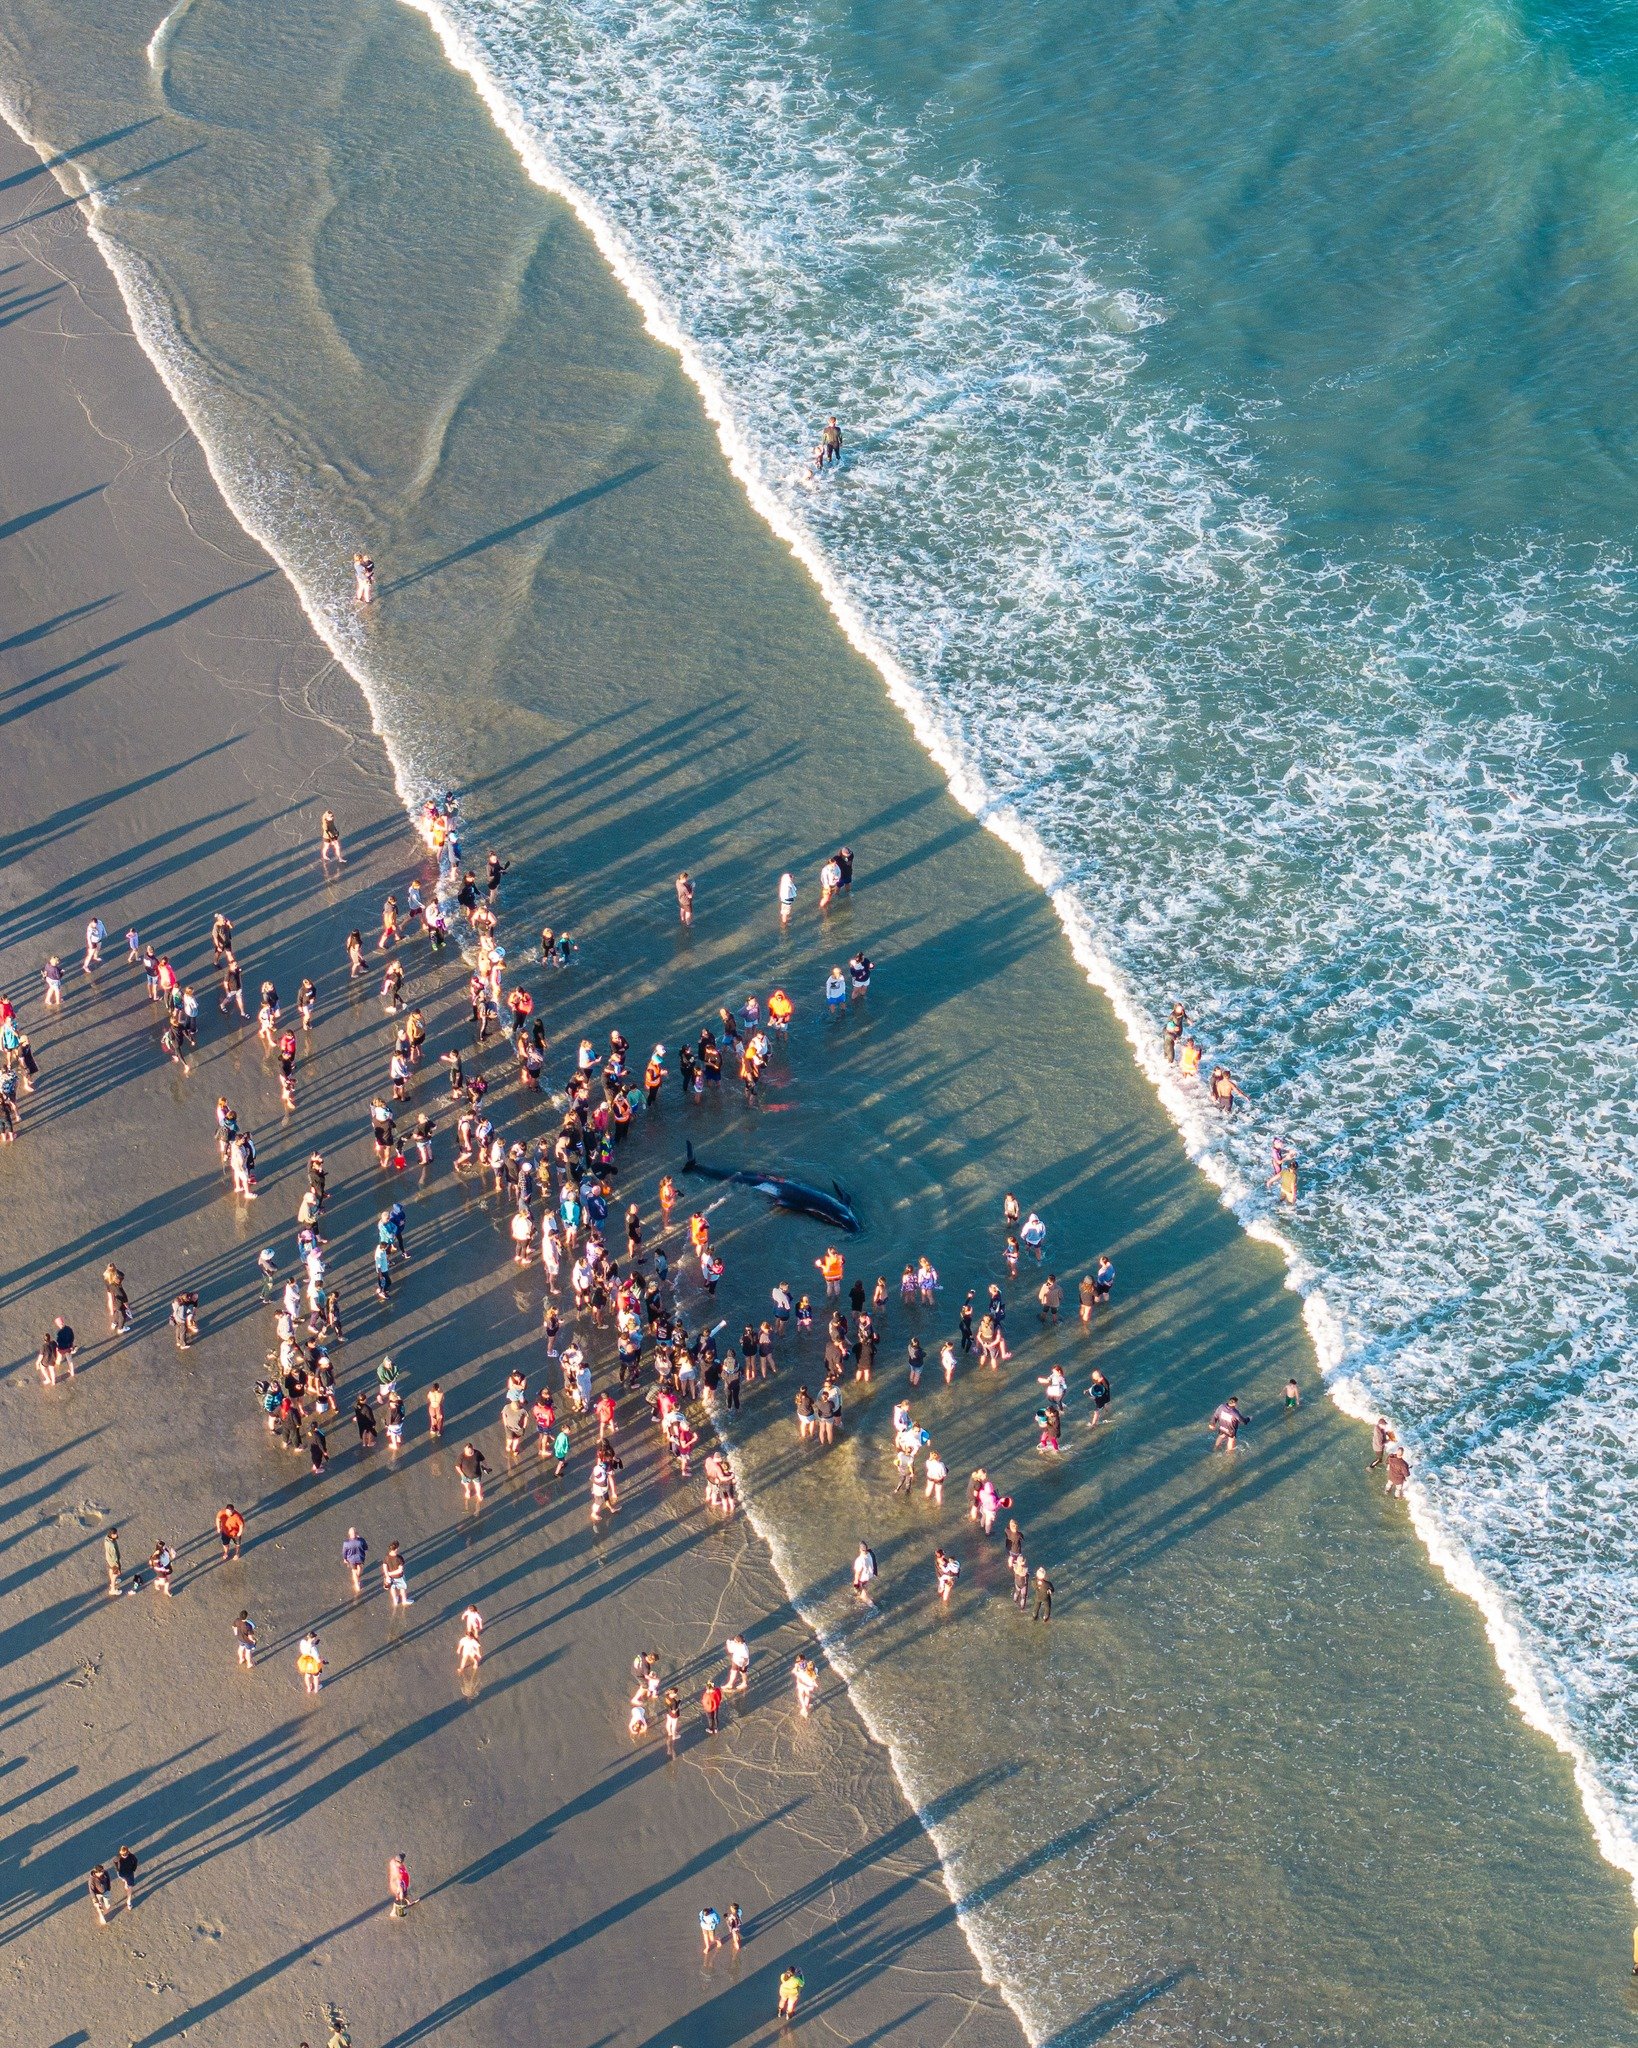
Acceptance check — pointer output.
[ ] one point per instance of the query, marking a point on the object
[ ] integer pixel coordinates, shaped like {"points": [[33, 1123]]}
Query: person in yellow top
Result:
{"points": [[791, 1981], [1188, 1059], [780, 1010], [1284, 1176], [830, 1271], [668, 1196]]}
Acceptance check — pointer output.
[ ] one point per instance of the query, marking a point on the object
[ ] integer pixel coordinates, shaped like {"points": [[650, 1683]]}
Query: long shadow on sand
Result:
{"points": [[518, 527]]}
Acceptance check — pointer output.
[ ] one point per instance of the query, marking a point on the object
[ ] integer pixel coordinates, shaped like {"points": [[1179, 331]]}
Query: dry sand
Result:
{"points": [[172, 732]]}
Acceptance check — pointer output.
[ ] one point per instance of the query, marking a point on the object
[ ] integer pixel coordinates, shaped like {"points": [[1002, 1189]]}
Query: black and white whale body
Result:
{"points": [[784, 1194]]}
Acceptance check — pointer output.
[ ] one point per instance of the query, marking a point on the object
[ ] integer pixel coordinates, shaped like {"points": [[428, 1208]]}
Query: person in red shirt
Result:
{"points": [[230, 1526], [711, 1704]]}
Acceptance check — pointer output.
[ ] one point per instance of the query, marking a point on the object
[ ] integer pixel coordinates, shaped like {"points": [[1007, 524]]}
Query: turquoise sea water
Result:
{"points": [[1239, 412], [1241, 407]]}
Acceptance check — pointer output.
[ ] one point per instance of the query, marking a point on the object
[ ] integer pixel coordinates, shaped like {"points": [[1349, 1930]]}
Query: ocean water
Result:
{"points": [[1239, 411], [1240, 416]]}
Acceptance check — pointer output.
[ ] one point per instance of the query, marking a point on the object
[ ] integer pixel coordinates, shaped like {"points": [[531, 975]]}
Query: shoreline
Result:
{"points": [[146, 311], [213, 1768], [1515, 1665], [148, 326], [1137, 1063]]}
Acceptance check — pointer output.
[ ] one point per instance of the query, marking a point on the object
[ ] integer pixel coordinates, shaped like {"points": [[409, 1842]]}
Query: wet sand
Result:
{"points": [[172, 732], [1262, 1752]]}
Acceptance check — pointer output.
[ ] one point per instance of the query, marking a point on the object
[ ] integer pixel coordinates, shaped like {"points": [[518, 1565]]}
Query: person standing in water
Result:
{"points": [[363, 579], [1284, 1176], [1227, 1423], [830, 446]]}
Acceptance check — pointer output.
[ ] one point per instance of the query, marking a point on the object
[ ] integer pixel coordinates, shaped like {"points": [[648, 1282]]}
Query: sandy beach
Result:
{"points": [[1259, 1778], [173, 734]]}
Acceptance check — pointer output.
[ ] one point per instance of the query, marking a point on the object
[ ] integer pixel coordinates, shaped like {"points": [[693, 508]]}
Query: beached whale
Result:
{"points": [[784, 1194]]}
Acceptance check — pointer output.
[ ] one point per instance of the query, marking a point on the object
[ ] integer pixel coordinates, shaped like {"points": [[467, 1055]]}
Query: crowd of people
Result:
{"points": [[650, 1282]]}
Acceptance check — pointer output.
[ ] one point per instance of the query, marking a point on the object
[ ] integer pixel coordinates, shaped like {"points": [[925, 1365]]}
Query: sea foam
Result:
{"points": [[1330, 803]]}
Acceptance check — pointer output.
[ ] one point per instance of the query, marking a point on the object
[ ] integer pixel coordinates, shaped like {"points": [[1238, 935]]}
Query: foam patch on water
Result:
{"points": [[1339, 808], [159, 43]]}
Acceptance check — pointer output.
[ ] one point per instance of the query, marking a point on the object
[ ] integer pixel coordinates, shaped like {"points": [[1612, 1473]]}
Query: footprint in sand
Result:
{"points": [[85, 1514]]}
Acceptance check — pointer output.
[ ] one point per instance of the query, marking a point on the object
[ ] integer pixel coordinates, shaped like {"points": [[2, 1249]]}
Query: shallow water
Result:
{"points": [[1242, 477], [1239, 478]]}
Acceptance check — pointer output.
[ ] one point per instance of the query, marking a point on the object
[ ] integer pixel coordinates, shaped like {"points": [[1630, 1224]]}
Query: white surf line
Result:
{"points": [[158, 338], [1035, 2029], [966, 785], [159, 43]]}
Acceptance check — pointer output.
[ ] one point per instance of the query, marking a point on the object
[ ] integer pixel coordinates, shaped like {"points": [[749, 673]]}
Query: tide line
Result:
{"points": [[1514, 1658]]}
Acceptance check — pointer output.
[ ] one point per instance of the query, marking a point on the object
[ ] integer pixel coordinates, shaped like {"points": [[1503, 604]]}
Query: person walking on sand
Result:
{"points": [[710, 1922], [398, 1886], [230, 1529], [395, 1578], [100, 1886], [310, 1664], [330, 841], [739, 1664], [472, 1466], [110, 1558], [354, 1555], [791, 1982], [96, 932], [119, 1302], [125, 1869], [244, 1637], [685, 898]]}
